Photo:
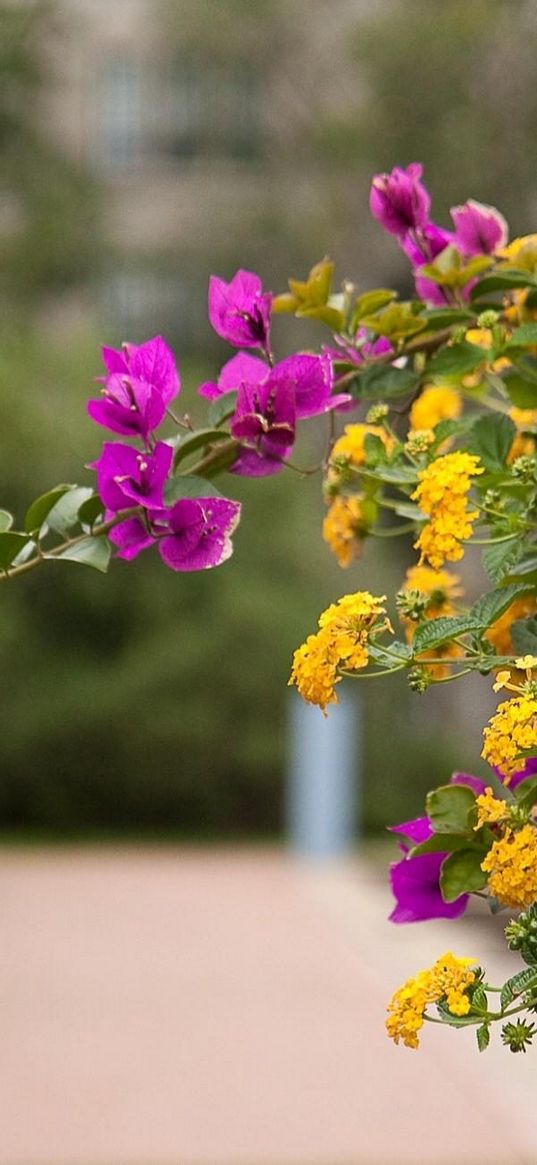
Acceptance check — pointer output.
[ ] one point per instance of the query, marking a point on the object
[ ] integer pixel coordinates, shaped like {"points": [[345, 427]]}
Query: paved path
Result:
{"points": [[221, 1007]]}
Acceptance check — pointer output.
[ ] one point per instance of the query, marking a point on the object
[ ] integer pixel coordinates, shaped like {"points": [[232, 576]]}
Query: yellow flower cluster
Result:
{"points": [[448, 979], [490, 809], [349, 448], [442, 494], [521, 253], [442, 587], [511, 731], [511, 865], [436, 403], [342, 641], [343, 528]]}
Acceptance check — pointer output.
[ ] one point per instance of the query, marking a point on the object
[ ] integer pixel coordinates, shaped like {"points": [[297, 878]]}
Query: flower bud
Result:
{"points": [[516, 1035], [376, 414], [418, 679]]}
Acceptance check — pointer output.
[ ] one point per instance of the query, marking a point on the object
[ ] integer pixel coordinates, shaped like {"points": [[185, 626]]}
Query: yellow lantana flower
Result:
{"points": [[442, 493]]}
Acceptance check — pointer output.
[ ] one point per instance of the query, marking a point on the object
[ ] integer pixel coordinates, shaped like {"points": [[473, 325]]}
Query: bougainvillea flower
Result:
{"points": [[529, 770], [265, 419], [239, 311], [127, 477], [362, 349], [200, 532], [399, 201], [479, 229], [415, 882], [152, 362], [194, 534], [241, 367], [313, 381], [423, 247], [128, 406]]}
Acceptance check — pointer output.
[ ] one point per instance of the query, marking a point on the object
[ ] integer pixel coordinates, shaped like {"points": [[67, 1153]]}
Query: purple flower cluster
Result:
{"points": [[415, 880], [193, 533], [400, 203], [271, 398]]}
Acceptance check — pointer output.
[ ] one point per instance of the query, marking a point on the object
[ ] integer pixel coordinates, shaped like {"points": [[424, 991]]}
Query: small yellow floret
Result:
{"points": [[436, 403], [442, 494], [448, 979], [343, 529], [490, 809], [511, 865], [511, 731], [342, 641]]}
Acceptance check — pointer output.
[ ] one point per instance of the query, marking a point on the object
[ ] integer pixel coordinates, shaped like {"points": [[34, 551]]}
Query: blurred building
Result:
{"points": [[196, 118]]}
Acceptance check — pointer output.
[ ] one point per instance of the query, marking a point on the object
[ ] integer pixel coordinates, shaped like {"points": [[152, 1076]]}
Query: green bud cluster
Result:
{"points": [[418, 679], [412, 604], [376, 414], [524, 468], [516, 1035], [521, 934], [488, 318]]}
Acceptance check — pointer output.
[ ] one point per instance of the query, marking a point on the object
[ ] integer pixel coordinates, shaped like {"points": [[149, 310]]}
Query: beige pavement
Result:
{"points": [[225, 1007]]}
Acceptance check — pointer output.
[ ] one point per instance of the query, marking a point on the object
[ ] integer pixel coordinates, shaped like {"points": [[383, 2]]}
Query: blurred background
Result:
{"points": [[219, 1005], [147, 144]]}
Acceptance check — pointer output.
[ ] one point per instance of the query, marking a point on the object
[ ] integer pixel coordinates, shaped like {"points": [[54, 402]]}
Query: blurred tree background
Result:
{"points": [[146, 146]]}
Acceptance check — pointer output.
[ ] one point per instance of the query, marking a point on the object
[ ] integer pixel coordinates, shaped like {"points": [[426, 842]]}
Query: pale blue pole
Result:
{"points": [[323, 777]]}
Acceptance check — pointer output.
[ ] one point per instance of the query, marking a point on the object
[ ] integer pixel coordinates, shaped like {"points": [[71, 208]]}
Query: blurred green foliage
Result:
{"points": [[49, 238]]}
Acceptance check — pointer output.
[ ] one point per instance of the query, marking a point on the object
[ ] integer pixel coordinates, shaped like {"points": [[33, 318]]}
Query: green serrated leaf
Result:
{"points": [[522, 392], [222, 408], [6, 520], [384, 381], [439, 318], [437, 631], [493, 604], [518, 984], [95, 552], [501, 556], [11, 545], [523, 337], [456, 361], [483, 1037], [453, 1020], [448, 808], [526, 792], [461, 873], [64, 514], [490, 439], [40, 508]]}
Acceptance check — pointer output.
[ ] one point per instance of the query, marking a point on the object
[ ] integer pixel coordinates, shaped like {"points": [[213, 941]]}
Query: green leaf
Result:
{"points": [[384, 381], [64, 514], [524, 636], [501, 556], [493, 604], [523, 337], [522, 392], [198, 440], [526, 792], [11, 545], [483, 1037], [453, 1020], [502, 281], [456, 360], [397, 474], [518, 984], [441, 843], [188, 486], [91, 510], [409, 510], [222, 408], [40, 508], [6, 520], [95, 552], [437, 631], [448, 808], [370, 302], [375, 450], [439, 318], [490, 439], [461, 873]]}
